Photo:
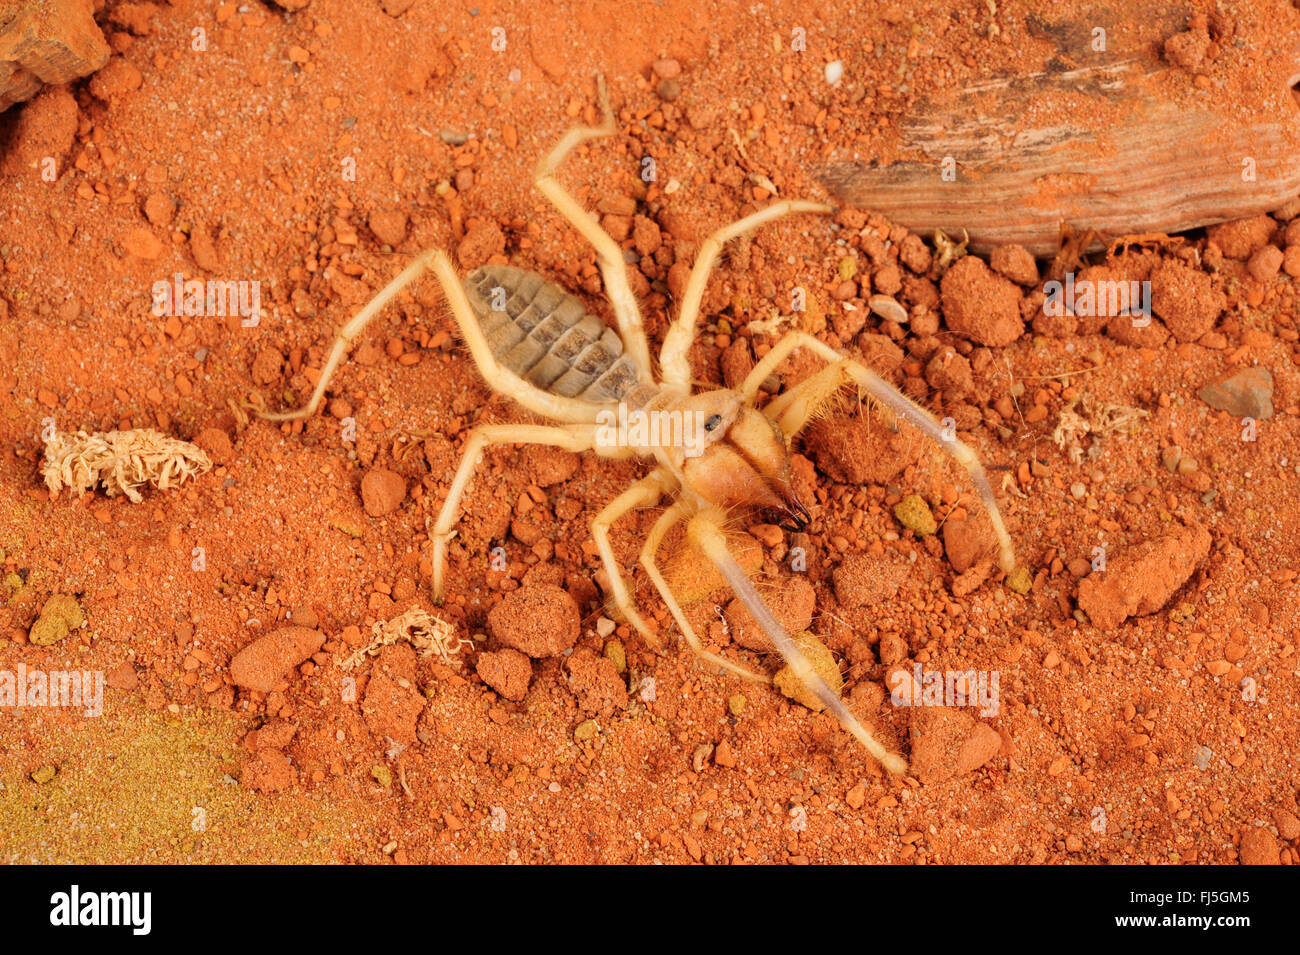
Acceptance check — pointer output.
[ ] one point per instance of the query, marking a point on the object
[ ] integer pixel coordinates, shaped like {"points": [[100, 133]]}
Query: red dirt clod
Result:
{"points": [[1258, 847], [382, 491], [865, 579], [1186, 299], [1141, 580], [266, 662], [506, 671], [541, 621], [594, 680], [981, 305]]}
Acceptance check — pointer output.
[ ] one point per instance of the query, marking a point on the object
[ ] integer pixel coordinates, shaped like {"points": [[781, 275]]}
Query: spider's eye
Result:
{"points": [[712, 421]]}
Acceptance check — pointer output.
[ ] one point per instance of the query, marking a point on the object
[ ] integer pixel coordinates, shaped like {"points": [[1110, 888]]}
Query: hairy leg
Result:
{"points": [[608, 254], [348, 333], [671, 517], [673, 361], [900, 405], [793, 409], [573, 438], [704, 532], [644, 493]]}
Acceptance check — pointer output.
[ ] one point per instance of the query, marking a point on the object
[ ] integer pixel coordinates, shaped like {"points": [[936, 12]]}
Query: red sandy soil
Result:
{"points": [[1165, 736]]}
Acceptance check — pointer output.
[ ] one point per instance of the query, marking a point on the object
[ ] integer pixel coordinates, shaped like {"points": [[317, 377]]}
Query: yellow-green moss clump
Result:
{"points": [[823, 662], [914, 514], [1020, 580], [59, 617]]}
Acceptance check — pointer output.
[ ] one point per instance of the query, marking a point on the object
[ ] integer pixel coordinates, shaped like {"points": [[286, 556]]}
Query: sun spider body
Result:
{"points": [[712, 451]]}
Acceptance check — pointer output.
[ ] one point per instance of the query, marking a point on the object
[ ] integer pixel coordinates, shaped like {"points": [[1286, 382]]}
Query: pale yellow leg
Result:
{"points": [[644, 493], [903, 408], [767, 365], [608, 254], [679, 512], [532, 398], [574, 438], [792, 410], [674, 363], [346, 336], [703, 531], [555, 407]]}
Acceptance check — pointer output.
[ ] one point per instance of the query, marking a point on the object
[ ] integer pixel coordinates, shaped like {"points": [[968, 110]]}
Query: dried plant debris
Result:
{"points": [[120, 461], [948, 250], [427, 633], [1086, 415]]}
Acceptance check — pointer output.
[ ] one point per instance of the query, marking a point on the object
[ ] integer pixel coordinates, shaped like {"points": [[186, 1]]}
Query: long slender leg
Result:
{"points": [[704, 532], [674, 364], [792, 410], [907, 410], [532, 398], [347, 333], [784, 347], [644, 493], [679, 512], [577, 438], [608, 254], [556, 407]]}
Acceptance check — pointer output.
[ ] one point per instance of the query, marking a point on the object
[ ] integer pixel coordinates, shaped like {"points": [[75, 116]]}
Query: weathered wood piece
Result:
{"points": [[1120, 145]]}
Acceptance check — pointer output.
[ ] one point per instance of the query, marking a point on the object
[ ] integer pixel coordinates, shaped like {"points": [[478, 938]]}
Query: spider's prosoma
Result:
{"points": [[534, 342]]}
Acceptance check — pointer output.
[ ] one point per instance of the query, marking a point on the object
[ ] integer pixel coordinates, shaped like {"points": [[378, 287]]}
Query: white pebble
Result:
{"points": [[648, 690], [888, 309], [834, 70]]}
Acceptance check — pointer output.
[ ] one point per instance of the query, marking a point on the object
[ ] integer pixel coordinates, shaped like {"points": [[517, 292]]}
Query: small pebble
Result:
{"points": [[1020, 580], [617, 655], [1247, 394], [888, 309], [666, 69], [834, 71], [382, 491], [914, 514], [59, 617], [389, 226], [648, 693]]}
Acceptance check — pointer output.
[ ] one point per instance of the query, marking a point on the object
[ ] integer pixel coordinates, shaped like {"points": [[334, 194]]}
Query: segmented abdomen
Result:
{"points": [[540, 332]]}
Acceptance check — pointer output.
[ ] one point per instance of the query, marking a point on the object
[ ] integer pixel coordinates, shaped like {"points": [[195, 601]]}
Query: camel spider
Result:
{"points": [[534, 342]]}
